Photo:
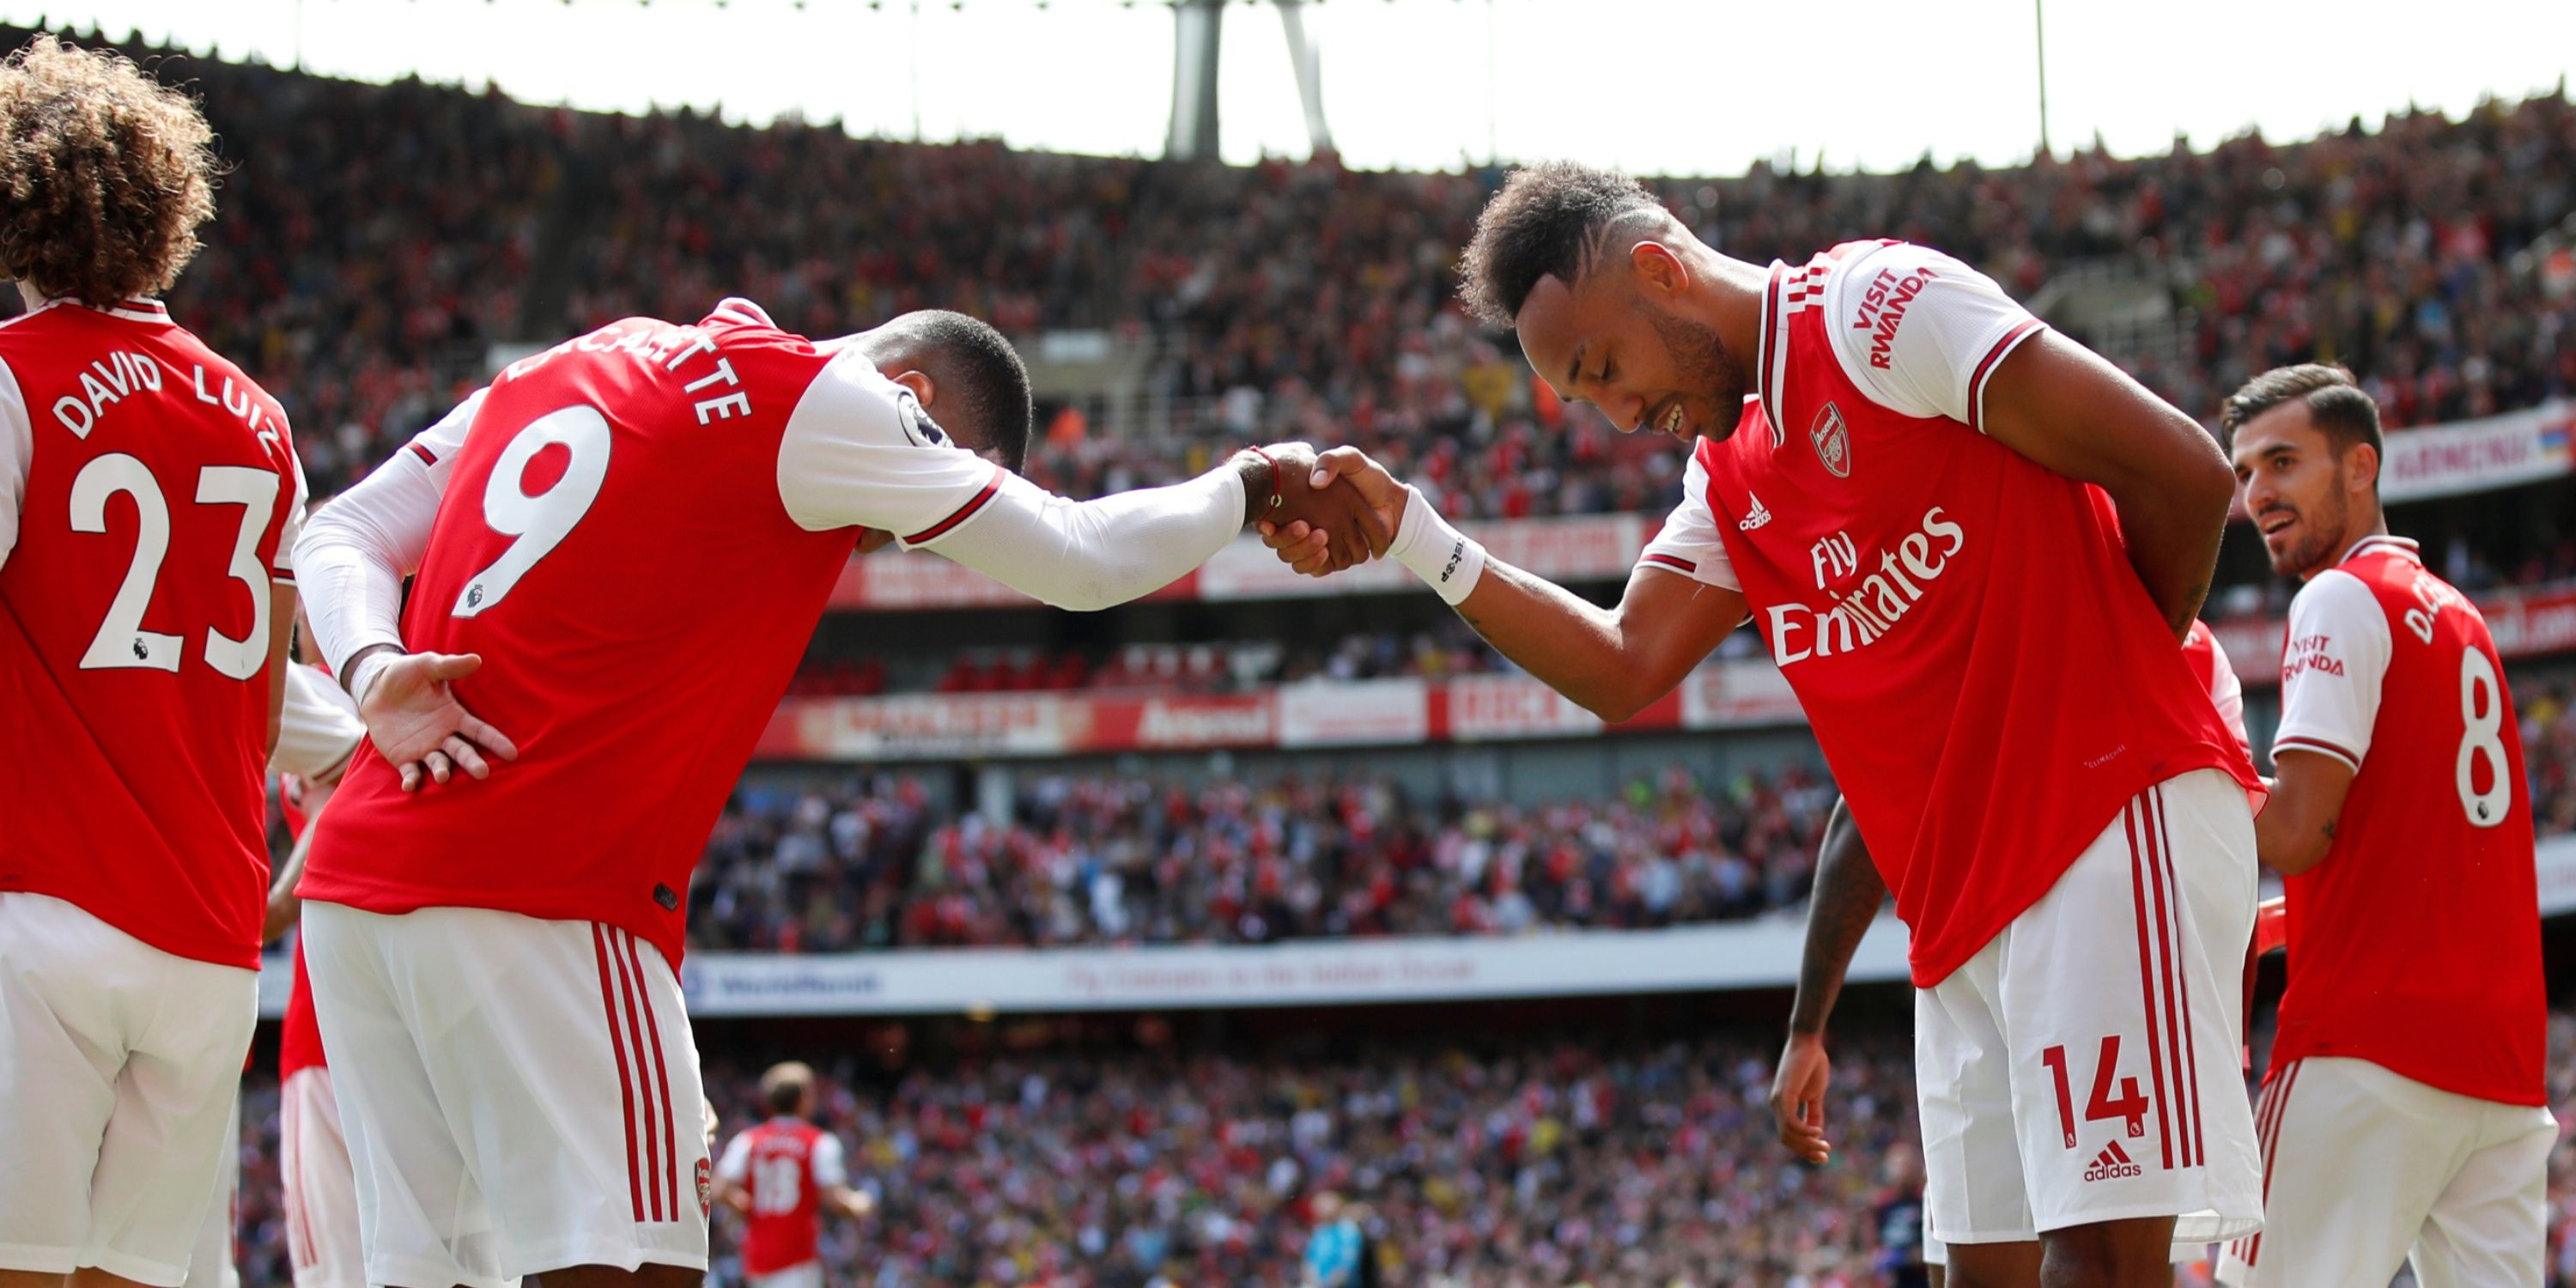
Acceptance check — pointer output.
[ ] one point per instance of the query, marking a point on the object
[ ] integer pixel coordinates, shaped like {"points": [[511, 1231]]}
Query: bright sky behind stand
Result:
{"points": [[1656, 86]]}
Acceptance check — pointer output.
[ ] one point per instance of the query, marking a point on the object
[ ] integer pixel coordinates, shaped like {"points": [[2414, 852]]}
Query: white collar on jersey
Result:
{"points": [[138, 309], [2382, 543]]}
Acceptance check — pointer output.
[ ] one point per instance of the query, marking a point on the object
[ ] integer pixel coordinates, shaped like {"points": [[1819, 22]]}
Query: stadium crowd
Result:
{"points": [[1624, 1164], [375, 241], [1118, 858]]}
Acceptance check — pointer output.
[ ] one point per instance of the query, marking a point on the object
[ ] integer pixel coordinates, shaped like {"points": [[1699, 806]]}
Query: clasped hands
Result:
{"points": [[1337, 509]]}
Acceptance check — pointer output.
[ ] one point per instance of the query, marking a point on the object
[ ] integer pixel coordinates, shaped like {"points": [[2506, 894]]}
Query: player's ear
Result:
{"points": [[1658, 269], [2361, 466], [923, 388]]}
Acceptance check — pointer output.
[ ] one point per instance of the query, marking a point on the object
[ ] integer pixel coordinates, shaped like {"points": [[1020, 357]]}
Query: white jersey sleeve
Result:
{"points": [[830, 1169], [859, 451], [17, 453], [1921, 332], [1689, 542], [2332, 669], [736, 1163], [282, 568], [354, 553], [318, 727], [2226, 691]]}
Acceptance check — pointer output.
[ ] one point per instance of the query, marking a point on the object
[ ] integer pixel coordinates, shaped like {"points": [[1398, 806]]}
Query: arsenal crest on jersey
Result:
{"points": [[1832, 440]]}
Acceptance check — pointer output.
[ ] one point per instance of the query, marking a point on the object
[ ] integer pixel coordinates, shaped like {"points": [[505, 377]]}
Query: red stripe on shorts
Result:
{"points": [[2272, 1145], [625, 1085], [2165, 944], [2190, 1041], [653, 1028], [653, 1145], [2147, 977]]}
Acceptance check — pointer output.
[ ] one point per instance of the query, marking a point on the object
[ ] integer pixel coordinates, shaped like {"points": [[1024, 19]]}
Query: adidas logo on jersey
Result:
{"points": [[2111, 1163], [1756, 519]]}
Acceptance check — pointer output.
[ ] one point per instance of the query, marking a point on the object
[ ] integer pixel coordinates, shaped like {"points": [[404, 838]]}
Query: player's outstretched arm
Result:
{"points": [[1845, 902], [1089, 555], [1610, 661], [2297, 825], [2059, 404]]}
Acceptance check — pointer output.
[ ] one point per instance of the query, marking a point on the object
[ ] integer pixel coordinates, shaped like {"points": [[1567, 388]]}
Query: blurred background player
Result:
{"points": [[2404, 1112], [148, 500], [1947, 522], [640, 528], [781, 1175]]}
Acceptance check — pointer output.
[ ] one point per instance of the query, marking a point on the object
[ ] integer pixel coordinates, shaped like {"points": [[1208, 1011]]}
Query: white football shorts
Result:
{"points": [[2082, 1067], [517, 1095], [120, 1066], [2365, 1169], [321, 1189]]}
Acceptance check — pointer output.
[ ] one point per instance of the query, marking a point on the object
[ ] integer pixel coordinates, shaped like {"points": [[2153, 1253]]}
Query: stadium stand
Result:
{"points": [[1129, 859], [378, 245], [1553, 1161], [374, 241]]}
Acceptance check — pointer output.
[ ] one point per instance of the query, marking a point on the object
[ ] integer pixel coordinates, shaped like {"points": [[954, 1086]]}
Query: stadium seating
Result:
{"points": [[375, 241]]}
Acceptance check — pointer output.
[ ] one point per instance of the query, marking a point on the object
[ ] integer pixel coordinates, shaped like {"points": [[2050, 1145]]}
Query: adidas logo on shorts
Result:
{"points": [[2111, 1163]]}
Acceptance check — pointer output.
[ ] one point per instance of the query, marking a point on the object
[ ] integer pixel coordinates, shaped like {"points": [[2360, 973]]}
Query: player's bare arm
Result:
{"points": [[1610, 661], [851, 1202], [281, 631], [2064, 407], [2297, 825], [283, 905], [1846, 899]]}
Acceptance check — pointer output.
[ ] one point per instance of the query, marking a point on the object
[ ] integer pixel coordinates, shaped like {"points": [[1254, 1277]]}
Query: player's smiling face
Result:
{"points": [[1619, 341], [2296, 490]]}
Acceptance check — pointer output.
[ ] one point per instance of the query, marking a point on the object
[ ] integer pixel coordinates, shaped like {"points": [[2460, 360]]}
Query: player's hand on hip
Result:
{"points": [[1798, 1096], [418, 725]]}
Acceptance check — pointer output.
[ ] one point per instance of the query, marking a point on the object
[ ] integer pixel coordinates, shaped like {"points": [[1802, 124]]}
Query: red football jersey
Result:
{"points": [[785, 1163], [624, 535], [2415, 945], [2218, 676], [299, 1035], [148, 492], [1983, 670]]}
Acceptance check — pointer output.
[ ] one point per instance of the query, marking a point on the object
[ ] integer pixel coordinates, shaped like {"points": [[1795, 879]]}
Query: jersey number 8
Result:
{"points": [[2482, 710], [542, 521]]}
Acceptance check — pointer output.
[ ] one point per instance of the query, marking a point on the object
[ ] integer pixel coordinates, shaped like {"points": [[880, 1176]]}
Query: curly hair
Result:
{"points": [[104, 174], [1550, 219]]}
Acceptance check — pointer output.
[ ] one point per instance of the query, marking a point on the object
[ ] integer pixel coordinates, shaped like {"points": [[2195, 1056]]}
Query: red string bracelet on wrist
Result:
{"points": [[1276, 500]]}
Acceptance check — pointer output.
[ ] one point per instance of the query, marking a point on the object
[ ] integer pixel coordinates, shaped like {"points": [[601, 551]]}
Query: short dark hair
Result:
{"points": [[2337, 405], [973, 365], [105, 174], [1547, 220], [785, 1087]]}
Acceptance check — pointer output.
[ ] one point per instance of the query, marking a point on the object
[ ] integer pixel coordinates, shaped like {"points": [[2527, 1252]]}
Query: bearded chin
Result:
{"points": [[1704, 365], [2319, 548]]}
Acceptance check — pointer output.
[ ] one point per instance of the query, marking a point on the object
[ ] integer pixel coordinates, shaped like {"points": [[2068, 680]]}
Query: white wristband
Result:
{"points": [[1437, 553]]}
